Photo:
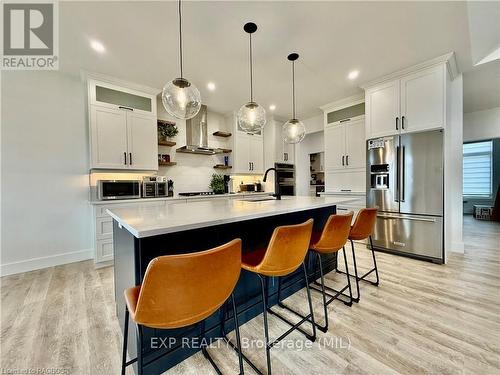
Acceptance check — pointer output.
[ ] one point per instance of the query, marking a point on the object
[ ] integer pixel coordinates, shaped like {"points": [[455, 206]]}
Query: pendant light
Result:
{"points": [[293, 130], [180, 97], [251, 116]]}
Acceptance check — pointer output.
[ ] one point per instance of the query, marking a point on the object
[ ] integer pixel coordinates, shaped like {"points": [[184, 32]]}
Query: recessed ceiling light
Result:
{"points": [[97, 46], [353, 74], [211, 86], [272, 107]]}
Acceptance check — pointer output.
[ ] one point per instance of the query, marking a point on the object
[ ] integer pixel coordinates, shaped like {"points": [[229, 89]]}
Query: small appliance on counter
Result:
{"points": [[247, 187], [154, 187], [258, 187], [118, 189]]}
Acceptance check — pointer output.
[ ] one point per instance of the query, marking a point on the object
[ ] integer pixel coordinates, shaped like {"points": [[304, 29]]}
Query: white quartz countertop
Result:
{"points": [[145, 220]]}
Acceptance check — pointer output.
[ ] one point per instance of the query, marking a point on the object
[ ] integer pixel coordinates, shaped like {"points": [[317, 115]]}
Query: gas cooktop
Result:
{"points": [[192, 194]]}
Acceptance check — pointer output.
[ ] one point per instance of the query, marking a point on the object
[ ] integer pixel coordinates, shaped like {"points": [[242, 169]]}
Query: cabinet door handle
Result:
{"points": [[397, 123], [343, 160], [126, 108], [130, 158], [347, 119], [347, 160], [402, 122], [125, 158]]}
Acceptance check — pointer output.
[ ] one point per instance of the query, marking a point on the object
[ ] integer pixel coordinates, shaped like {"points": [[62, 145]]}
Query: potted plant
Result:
{"points": [[217, 183], [167, 130]]}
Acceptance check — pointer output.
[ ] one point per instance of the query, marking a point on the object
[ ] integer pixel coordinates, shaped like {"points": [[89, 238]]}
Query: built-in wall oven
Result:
{"points": [[118, 189], [285, 178]]}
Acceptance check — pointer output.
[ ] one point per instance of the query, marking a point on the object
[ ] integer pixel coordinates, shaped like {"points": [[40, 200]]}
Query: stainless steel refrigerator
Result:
{"points": [[405, 182]]}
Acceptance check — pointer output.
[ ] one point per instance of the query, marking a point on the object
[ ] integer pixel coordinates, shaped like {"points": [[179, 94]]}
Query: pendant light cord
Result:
{"points": [[251, 70], [293, 89], [180, 37]]}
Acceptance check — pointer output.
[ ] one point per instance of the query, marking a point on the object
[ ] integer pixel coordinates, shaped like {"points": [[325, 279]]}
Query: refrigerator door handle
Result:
{"points": [[403, 162], [396, 193], [414, 218]]}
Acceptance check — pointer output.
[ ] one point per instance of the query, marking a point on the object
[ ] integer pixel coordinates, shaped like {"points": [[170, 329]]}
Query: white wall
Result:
{"points": [[453, 207], [314, 124], [193, 172], [482, 125], [312, 143], [45, 212]]}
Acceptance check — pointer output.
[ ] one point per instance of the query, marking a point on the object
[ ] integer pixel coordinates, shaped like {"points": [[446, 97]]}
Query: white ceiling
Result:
{"points": [[332, 38]]}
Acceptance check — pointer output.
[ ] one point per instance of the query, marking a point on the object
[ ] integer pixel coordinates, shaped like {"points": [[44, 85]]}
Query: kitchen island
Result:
{"points": [[143, 232]]}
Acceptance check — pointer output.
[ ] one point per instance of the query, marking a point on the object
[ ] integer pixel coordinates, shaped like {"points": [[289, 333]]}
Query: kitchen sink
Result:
{"points": [[258, 199]]}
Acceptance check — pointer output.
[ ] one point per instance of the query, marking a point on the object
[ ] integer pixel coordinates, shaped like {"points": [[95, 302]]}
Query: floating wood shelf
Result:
{"points": [[225, 150], [219, 133], [166, 163], [167, 143], [222, 166]]}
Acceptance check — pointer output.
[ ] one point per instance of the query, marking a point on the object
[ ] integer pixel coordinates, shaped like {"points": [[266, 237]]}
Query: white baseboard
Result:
{"points": [[44, 262]]}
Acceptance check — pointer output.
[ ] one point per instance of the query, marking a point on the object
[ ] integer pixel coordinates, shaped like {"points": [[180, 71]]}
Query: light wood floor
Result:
{"points": [[424, 318]]}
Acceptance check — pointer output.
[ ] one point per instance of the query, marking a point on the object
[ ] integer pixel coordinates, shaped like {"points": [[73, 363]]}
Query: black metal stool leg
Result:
{"points": [[323, 293], [355, 272], [311, 310], [297, 325], [266, 327], [140, 359], [347, 275], [338, 293], [374, 263], [237, 348], [237, 331], [125, 341]]}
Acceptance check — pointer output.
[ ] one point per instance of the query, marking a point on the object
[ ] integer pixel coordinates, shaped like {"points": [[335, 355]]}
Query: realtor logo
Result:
{"points": [[30, 36]]}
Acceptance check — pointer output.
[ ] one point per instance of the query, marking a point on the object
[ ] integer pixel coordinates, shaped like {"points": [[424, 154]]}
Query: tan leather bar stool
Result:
{"points": [[363, 228], [285, 253], [182, 290], [333, 238]]}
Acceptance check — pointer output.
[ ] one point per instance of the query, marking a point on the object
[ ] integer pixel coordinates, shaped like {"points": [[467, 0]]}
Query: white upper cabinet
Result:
{"points": [[248, 150], [256, 156], [355, 144], [108, 129], [414, 101], [345, 145], [142, 133], [382, 109], [423, 100], [285, 152], [123, 130], [335, 147]]}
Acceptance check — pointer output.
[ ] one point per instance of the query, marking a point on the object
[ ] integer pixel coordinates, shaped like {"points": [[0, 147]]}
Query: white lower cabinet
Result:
{"points": [[345, 181], [104, 250]]}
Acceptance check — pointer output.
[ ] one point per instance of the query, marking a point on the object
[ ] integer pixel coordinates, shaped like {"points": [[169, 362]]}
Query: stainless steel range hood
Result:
{"points": [[197, 135]]}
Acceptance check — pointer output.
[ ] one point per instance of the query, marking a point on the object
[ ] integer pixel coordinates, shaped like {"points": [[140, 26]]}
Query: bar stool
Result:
{"points": [[362, 229], [285, 253], [333, 238], [182, 290]]}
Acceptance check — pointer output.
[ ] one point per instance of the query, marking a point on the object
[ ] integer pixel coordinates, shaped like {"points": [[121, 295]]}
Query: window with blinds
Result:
{"points": [[478, 169]]}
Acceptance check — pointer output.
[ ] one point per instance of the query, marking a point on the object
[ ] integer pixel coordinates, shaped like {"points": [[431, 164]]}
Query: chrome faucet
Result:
{"points": [[277, 192]]}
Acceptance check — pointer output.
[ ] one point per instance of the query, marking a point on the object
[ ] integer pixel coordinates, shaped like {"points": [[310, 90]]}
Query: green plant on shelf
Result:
{"points": [[167, 131], [217, 183]]}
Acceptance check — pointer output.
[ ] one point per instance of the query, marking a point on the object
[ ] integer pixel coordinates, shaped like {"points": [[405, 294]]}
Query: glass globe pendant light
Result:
{"points": [[293, 130], [251, 116], [180, 97]]}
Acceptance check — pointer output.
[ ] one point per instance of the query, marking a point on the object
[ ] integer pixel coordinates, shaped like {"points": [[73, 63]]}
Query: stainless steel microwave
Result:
{"points": [[118, 189]]}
